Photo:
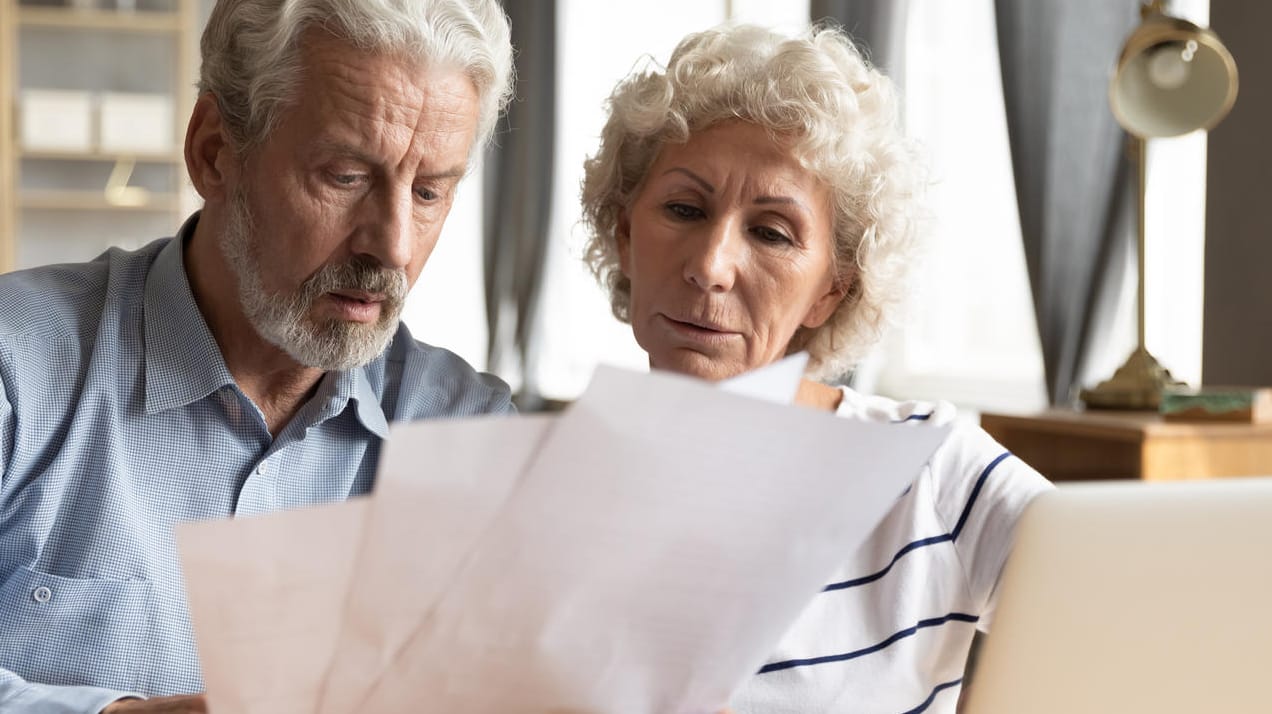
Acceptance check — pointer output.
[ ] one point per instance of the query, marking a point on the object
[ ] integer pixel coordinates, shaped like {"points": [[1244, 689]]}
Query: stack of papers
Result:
{"points": [[641, 553]]}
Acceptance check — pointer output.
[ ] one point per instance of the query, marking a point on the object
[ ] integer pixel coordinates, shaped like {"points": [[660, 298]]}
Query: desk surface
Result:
{"points": [[1067, 445], [1127, 425]]}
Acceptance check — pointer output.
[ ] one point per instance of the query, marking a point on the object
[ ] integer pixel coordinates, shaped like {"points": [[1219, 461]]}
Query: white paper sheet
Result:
{"points": [[641, 553], [777, 382], [439, 487], [265, 595]]}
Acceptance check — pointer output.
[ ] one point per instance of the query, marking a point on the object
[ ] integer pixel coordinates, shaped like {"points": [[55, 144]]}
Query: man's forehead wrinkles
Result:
{"points": [[398, 106], [390, 129]]}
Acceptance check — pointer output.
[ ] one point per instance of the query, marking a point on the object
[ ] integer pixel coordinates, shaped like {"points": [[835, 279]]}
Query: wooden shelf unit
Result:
{"points": [[106, 156], [177, 23], [8, 134], [140, 21], [61, 200]]}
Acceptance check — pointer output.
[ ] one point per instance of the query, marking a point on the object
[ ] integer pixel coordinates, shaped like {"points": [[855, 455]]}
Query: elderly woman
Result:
{"points": [[755, 199]]}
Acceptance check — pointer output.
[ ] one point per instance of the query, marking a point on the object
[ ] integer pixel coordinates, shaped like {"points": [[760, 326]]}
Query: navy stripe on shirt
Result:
{"points": [[923, 542], [914, 417], [932, 697], [907, 632]]}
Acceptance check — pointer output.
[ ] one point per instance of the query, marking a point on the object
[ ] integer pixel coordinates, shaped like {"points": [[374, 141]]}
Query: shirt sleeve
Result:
{"points": [[982, 490], [19, 695]]}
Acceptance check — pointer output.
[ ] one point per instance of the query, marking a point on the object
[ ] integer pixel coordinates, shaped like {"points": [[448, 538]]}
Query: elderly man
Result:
{"points": [[253, 361]]}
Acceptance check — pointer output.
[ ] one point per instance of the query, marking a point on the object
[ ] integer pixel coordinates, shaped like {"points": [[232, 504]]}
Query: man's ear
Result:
{"points": [[623, 237], [209, 150], [826, 305]]}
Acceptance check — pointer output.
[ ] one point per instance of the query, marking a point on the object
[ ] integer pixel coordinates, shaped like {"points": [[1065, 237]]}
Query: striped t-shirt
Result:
{"points": [[892, 629]]}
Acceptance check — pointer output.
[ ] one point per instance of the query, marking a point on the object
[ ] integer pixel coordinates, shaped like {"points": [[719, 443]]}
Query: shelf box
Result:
{"points": [[136, 123], [56, 120], [109, 20], [72, 200]]}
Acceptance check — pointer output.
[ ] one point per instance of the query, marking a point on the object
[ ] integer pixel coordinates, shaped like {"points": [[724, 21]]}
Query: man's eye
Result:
{"points": [[345, 179], [426, 194], [684, 211]]}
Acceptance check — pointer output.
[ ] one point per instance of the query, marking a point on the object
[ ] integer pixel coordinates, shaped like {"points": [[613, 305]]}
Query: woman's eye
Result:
{"points": [[684, 211], [771, 235]]}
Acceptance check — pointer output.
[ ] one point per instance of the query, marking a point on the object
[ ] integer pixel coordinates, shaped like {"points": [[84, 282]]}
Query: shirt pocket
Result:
{"points": [[73, 631]]}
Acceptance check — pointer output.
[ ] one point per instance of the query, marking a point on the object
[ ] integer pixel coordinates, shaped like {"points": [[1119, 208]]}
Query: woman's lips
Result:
{"points": [[694, 331]]}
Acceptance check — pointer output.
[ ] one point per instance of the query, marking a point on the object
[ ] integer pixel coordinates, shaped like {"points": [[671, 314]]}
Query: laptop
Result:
{"points": [[1132, 597]]}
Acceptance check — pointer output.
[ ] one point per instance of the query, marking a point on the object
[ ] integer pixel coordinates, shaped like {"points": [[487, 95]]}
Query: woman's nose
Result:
{"points": [[715, 256]]}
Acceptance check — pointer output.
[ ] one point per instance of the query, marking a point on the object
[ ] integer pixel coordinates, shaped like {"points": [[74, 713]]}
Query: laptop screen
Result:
{"points": [[1134, 597]]}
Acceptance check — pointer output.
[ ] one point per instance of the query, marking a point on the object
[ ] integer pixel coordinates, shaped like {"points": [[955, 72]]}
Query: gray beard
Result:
{"points": [[283, 320]]}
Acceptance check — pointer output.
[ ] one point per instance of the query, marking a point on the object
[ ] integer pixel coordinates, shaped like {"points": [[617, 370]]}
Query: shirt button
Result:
{"points": [[41, 594], [262, 467]]}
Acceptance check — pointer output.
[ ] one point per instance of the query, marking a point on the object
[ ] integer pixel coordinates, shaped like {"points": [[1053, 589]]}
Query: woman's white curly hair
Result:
{"points": [[840, 116]]}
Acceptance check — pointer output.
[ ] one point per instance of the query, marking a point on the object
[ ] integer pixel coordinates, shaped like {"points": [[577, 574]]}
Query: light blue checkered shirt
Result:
{"points": [[118, 419]]}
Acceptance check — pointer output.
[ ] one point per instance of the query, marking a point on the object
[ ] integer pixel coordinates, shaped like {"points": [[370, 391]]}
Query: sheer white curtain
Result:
{"points": [[970, 335], [447, 305], [1175, 233]]}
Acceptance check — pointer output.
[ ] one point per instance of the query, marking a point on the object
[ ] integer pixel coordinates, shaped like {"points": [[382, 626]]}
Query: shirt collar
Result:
{"points": [[337, 389], [183, 361]]}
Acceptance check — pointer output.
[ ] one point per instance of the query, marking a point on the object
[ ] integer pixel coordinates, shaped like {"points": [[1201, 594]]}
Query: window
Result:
{"points": [[972, 337], [1176, 234], [447, 306], [970, 334]]}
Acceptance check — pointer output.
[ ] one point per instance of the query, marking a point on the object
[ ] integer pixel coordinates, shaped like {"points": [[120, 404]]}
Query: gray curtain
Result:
{"points": [[878, 26], [1071, 168], [518, 191]]}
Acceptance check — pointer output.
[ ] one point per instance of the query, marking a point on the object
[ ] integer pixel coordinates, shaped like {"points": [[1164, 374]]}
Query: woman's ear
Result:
{"points": [[209, 149], [825, 306]]}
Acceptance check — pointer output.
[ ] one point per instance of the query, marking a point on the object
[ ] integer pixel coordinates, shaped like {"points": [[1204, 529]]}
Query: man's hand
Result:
{"points": [[184, 704]]}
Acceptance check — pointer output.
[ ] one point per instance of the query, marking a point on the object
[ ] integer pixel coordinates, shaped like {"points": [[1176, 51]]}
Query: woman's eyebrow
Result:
{"points": [[784, 200], [695, 177]]}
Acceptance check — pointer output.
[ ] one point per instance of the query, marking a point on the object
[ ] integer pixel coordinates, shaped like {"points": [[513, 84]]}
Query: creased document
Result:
{"points": [[265, 593], [639, 554]]}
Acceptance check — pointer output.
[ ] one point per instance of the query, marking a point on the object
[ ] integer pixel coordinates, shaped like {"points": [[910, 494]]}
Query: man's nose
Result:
{"points": [[715, 255], [388, 230]]}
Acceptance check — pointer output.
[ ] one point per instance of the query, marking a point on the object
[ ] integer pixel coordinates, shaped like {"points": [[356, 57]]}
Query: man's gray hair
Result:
{"points": [[252, 51]]}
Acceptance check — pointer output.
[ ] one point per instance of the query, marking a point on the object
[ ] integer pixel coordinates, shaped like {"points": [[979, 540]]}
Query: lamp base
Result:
{"points": [[1137, 384]]}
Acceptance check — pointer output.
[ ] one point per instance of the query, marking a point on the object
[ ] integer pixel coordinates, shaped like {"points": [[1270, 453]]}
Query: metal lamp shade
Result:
{"points": [[1173, 77]]}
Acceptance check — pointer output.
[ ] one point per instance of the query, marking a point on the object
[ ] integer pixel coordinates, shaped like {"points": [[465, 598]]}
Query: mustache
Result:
{"points": [[360, 273]]}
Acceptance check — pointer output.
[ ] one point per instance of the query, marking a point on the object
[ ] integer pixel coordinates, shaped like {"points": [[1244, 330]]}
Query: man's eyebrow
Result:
{"points": [[341, 148], [695, 177]]}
